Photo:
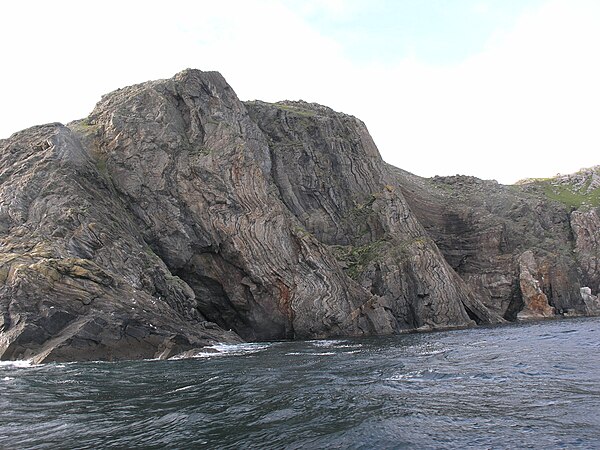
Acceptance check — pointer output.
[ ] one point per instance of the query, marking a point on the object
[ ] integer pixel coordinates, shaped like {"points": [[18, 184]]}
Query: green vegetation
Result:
{"points": [[296, 109], [357, 258], [572, 197], [301, 232], [359, 217], [85, 126], [574, 191]]}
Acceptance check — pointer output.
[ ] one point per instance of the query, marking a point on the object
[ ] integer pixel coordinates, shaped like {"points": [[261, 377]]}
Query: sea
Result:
{"points": [[534, 385]]}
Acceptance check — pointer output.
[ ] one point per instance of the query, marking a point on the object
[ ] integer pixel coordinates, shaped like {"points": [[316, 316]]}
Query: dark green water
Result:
{"points": [[524, 386]]}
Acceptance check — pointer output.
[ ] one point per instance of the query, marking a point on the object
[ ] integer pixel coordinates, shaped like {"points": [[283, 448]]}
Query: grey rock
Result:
{"points": [[586, 230], [77, 281], [175, 212], [330, 175], [591, 301], [195, 170], [503, 239]]}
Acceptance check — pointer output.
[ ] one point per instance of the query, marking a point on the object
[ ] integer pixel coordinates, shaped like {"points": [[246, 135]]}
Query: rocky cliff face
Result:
{"points": [[77, 281], [525, 251], [175, 212], [330, 176]]}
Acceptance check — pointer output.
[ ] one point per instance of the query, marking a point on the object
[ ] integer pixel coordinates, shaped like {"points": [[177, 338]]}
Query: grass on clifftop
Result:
{"points": [[295, 109], [84, 126], [567, 194], [573, 198]]}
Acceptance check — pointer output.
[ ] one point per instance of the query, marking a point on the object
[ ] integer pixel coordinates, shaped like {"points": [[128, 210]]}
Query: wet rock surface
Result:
{"points": [[176, 216]]}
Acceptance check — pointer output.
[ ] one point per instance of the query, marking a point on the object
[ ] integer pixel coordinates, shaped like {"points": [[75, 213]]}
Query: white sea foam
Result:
{"points": [[433, 352], [327, 342], [7, 378], [415, 375], [231, 350], [216, 377], [241, 348], [185, 388], [18, 363]]}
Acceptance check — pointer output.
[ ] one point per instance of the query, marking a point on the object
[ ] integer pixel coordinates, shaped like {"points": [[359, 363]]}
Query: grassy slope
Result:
{"points": [[575, 191]]}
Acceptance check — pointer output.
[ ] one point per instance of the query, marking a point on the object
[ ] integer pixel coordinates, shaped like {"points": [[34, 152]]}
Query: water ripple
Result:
{"points": [[522, 386]]}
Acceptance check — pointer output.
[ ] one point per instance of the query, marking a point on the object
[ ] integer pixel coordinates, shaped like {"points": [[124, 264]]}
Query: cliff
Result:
{"points": [[527, 251], [175, 216]]}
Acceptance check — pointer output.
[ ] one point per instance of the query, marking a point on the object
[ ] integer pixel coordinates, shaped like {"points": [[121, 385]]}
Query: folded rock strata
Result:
{"points": [[176, 216], [512, 244]]}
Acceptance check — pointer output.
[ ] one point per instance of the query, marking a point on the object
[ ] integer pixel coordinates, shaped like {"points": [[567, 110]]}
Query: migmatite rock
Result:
{"points": [[175, 216]]}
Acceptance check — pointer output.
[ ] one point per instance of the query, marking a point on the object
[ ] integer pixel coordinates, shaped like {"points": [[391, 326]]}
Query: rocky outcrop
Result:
{"points": [[586, 230], [175, 212], [517, 246], [330, 175], [77, 281], [530, 281]]}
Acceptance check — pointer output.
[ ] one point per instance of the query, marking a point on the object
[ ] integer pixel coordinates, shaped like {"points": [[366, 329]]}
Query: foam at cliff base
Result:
{"points": [[231, 350], [17, 363]]}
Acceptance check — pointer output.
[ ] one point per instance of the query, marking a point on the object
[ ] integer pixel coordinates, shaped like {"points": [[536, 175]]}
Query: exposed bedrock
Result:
{"points": [[586, 230], [176, 216], [77, 281], [521, 252], [195, 172], [330, 175]]}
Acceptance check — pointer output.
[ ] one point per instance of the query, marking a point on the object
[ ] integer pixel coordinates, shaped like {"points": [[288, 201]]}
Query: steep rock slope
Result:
{"points": [[76, 280], [580, 193], [175, 212], [194, 171], [522, 251], [331, 177]]}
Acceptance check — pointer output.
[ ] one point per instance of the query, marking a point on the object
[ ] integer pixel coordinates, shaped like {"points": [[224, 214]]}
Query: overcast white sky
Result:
{"points": [[499, 89]]}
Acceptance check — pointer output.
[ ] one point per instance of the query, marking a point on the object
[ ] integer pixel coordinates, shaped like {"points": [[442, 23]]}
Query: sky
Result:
{"points": [[498, 89]]}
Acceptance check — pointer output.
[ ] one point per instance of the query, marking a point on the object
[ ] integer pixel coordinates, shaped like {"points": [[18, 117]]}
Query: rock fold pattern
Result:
{"points": [[176, 216]]}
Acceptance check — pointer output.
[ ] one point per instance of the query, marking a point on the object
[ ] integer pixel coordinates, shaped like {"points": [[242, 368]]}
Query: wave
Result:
{"points": [[17, 363], [327, 342], [218, 350], [433, 352]]}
